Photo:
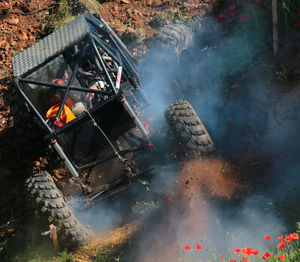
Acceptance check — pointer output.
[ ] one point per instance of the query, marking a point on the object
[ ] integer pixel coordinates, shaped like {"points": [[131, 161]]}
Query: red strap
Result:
{"points": [[57, 123]]}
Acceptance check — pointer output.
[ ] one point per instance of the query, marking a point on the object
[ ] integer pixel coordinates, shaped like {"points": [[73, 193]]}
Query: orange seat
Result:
{"points": [[65, 117]]}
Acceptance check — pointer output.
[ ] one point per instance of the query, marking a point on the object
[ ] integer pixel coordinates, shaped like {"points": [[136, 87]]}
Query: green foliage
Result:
{"points": [[249, 38], [110, 254], [283, 73], [144, 207], [63, 256], [176, 16], [290, 9], [287, 207], [145, 183], [61, 14]]}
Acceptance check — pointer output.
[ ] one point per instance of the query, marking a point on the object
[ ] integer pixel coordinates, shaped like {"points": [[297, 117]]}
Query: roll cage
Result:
{"points": [[82, 65]]}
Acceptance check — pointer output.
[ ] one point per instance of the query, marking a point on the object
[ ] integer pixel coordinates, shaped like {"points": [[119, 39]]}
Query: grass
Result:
{"points": [[176, 16], [249, 38], [61, 257], [61, 14], [287, 207], [291, 10], [290, 252], [110, 254]]}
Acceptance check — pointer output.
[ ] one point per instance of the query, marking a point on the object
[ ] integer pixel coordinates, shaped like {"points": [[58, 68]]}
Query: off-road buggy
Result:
{"points": [[81, 85]]}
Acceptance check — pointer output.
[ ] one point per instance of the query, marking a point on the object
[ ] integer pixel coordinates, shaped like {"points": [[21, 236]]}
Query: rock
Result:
{"points": [[149, 2], [79, 260], [13, 21], [2, 120], [157, 3], [137, 12], [2, 43], [129, 12], [3, 12], [125, 2], [56, 173], [22, 35]]}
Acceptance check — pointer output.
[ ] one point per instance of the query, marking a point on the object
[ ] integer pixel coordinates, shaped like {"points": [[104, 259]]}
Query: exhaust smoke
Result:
{"points": [[219, 204]]}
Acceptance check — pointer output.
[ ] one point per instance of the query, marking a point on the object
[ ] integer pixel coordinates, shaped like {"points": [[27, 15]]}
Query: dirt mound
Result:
{"points": [[215, 177]]}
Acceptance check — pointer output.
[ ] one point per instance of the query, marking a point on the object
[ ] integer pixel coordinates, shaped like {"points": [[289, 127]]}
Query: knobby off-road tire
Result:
{"points": [[188, 129], [176, 36], [174, 45], [49, 199]]}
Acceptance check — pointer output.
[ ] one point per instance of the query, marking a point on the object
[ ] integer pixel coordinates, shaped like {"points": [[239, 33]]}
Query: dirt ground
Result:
{"points": [[21, 24]]}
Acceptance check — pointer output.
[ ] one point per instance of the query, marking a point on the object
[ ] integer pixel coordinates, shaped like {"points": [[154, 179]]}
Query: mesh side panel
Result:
{"points": [[81, 139], [50, 46]]}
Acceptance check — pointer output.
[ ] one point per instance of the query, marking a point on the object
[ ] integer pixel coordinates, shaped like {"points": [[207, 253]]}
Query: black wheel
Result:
{"points": [[188, 129], [50, 202], [172, 48], [176, 36], [25, 122]]}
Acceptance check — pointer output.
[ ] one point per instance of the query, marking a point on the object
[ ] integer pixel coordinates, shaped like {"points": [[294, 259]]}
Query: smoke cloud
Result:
{"points": [[219, 204]]}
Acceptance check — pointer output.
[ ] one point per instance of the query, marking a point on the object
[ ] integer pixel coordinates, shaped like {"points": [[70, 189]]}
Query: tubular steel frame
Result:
{"points": [[115, 92]]}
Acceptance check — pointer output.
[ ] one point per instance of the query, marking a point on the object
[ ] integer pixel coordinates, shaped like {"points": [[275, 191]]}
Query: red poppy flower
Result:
{"points": [[150, 120], [222, 257], [232, 7], [232, 260], [295, 235], [221, 16], [149, 144], [145, 124], [243, 17], [297, 25], [254, 252], [282, 257], [267, 237], [137, 129], [233, 14], [281, 245], [281, 239], [237, 250], [244, 251], [197, 246], [167, 197], [244, 259], [289, 238], [187, 247], [266, 256], [248, 252]]}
